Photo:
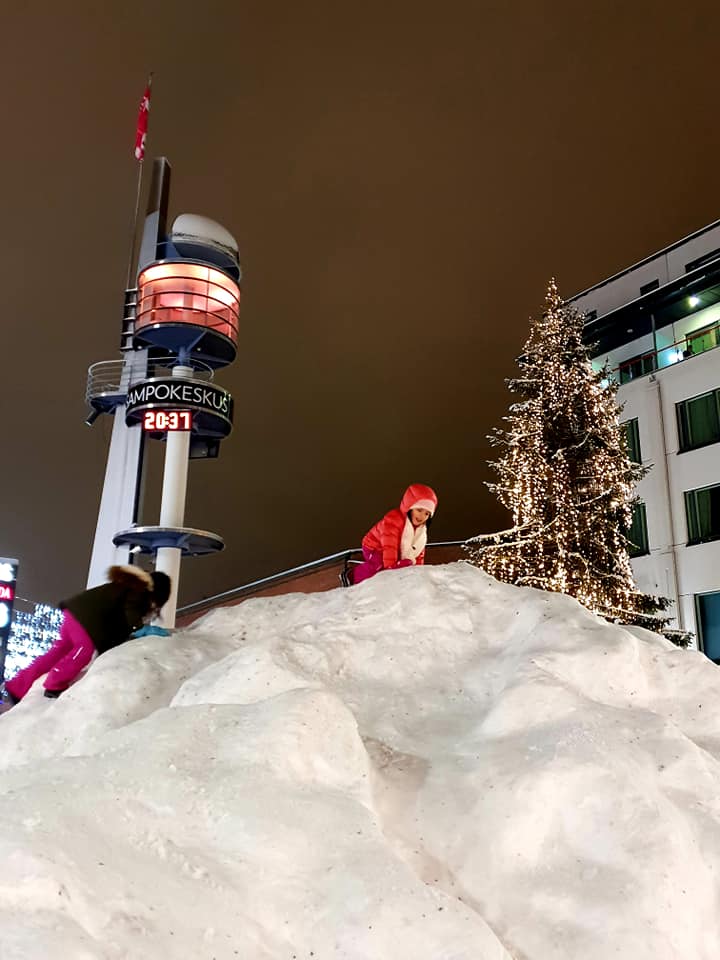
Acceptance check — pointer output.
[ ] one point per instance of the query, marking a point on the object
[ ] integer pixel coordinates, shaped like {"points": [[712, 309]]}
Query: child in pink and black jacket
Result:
{"points": [[94, 621]]}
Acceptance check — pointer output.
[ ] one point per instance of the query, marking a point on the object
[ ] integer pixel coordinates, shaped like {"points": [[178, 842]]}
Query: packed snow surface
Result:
{"points": [[429, 766]]}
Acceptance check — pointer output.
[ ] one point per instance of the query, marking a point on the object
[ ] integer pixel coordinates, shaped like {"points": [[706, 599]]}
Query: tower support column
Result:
{"points": [[172, 507], [117, 503]]}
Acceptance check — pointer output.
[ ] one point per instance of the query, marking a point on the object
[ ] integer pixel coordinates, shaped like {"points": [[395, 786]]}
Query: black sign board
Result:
{"points": [[211, 405]]}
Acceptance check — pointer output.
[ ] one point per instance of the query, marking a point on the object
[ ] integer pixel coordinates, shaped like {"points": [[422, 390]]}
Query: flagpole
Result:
{"points": [[131, 282], [133, 236]]}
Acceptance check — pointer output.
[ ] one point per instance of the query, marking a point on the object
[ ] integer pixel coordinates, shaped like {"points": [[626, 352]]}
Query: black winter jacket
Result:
{"points": [[110, 613]]}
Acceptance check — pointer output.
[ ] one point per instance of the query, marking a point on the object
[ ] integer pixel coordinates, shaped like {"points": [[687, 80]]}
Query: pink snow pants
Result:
{"points": [[372, 564], [71, 653]]}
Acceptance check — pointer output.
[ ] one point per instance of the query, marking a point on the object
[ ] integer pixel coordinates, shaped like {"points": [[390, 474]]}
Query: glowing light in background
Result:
{"points": [[34, 629]]}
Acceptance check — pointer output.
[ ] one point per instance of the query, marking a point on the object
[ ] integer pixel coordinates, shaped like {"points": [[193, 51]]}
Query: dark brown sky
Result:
{"points": [[402, 179]]}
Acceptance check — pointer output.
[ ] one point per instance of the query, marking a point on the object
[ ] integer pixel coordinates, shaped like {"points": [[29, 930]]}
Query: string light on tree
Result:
{"points": [[35, 627], [566, 478]]}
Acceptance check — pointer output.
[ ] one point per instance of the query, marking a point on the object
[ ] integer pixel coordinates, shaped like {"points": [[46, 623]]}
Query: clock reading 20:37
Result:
{"points": [[158, 421]]}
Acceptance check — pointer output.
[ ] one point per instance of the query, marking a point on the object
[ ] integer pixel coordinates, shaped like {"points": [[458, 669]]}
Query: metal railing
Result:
{"points": [[691, 345], [109, 379], [105, 380], [343, 557]]}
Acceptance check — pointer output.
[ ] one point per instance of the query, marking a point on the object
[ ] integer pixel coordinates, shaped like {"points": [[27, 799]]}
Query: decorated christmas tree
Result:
{"points": [[566, 478]]}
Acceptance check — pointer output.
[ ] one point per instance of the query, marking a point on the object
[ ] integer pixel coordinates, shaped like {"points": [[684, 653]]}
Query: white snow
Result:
{"points": [[429, 766]]}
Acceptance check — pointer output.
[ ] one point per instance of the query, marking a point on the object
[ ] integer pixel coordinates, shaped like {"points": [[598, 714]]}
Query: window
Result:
{"points": [[637, 367], [707, 606], [699, 420], [701, 261], [701, 340], [703, 514], [632, 439], [647, 287], [637, 535]]}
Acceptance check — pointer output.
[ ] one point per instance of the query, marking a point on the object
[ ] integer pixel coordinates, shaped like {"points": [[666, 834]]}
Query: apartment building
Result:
{"points": [[657, 326]]}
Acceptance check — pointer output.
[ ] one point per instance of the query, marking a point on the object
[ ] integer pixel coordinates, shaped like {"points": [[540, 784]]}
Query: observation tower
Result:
{"points": [[180, 326]]}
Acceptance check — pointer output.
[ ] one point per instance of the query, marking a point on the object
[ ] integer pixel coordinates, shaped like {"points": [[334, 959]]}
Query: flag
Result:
{"points": [[142, 125]]}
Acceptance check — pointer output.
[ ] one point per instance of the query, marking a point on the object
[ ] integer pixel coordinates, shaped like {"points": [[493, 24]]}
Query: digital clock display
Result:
{"points": [[159, 421]]}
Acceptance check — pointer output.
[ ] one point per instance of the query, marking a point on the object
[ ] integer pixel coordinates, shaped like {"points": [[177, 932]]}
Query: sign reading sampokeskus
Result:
{"points": [[212, 406]]}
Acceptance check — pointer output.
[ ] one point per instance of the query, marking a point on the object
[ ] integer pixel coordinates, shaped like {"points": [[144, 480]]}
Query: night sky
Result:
{"points": [[402, 180]]}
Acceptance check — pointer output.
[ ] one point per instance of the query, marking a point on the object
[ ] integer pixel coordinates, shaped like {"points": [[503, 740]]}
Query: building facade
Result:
{"points": [[657, 327]]}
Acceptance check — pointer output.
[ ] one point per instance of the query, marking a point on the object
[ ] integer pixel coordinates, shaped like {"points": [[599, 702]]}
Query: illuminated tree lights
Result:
{"points": [[33, 631], [566, 478]]}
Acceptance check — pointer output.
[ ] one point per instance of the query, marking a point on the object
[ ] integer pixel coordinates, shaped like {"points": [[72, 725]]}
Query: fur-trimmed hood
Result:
{"points": [[132, 577], [109, 613], [419, 495]]}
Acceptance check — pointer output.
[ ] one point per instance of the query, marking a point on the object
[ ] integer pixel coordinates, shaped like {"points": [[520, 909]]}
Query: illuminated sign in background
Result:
{"points": [[8, 579]]}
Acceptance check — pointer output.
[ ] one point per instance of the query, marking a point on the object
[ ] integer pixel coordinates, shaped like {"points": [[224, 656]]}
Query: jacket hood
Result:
{"points": [[132, 577], [419, 495]]}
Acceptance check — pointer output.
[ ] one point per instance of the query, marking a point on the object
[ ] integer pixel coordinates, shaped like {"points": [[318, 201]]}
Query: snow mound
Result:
{"points": [[430, 766]]}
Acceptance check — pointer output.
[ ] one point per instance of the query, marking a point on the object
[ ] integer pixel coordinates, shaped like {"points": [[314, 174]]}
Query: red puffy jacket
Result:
{"points": [[385, 536]]}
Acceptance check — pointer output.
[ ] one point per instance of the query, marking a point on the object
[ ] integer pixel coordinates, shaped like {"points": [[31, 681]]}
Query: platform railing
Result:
{"points": [[107, 379], [104, 380], [341, 559]]}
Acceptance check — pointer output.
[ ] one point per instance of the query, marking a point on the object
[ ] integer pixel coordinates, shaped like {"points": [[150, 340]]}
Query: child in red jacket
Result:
{"points": [[399, 539]]}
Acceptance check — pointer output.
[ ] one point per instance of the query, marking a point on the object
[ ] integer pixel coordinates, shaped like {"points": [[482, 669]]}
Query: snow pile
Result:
{"points": [[430, 766]]}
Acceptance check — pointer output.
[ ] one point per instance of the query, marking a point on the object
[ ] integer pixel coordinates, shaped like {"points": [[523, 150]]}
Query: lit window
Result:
{"points": [[701, 340]]}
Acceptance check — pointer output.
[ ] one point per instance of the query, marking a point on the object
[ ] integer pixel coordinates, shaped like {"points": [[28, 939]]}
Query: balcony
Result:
{"points": [[691, 345]]}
